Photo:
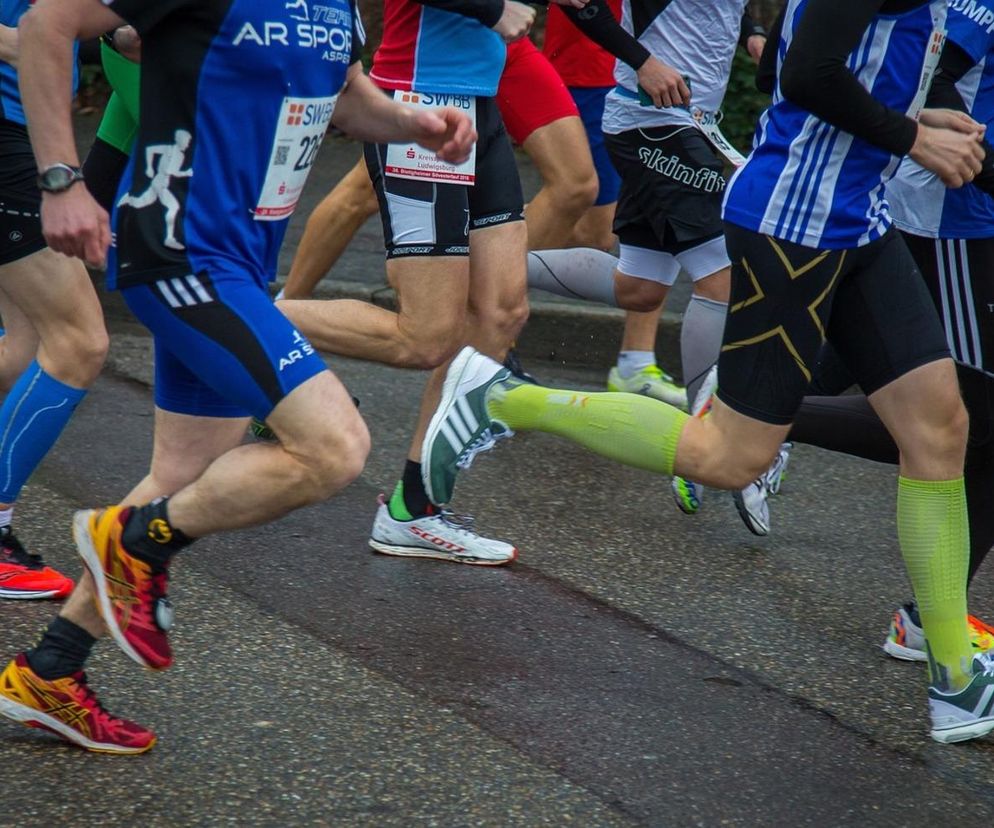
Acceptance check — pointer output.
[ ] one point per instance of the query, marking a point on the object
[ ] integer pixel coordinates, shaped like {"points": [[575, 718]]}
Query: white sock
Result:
{"points": [[631, 362], [6, 516]]}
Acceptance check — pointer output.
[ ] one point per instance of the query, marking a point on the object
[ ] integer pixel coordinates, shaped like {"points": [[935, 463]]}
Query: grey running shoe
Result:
{"points": [[461, 427], [968, 714], [445, 537], [906, 639], [751, 502]]}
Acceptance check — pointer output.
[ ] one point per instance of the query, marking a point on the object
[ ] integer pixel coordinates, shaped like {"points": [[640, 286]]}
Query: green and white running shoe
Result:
{"points": [[461, 426], [968, 714], [651, 381]]}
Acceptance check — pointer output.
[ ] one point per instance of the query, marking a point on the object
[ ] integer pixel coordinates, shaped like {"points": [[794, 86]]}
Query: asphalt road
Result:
{"points": [[636, 667]]}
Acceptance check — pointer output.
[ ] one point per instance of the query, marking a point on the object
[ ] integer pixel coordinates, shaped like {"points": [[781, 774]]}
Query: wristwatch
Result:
{"points": [[58, 178]]}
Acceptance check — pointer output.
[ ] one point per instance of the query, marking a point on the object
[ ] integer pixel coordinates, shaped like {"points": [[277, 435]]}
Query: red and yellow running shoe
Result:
{"points": [[24, 576], [981, 634], [68, 708], [131, 598]]}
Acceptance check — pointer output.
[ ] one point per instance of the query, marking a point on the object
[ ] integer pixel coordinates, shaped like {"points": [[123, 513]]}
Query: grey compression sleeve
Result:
{"points": [[576, 273], [700, 340]]}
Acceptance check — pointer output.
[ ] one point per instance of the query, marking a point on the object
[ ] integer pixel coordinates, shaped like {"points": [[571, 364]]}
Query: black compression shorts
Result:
{"points": [[20, 199], [870, 303], [424, 218]]}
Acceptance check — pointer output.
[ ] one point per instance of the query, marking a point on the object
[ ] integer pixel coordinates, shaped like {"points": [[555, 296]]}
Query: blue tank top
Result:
{"points": [[236, 98], [810, 183]]}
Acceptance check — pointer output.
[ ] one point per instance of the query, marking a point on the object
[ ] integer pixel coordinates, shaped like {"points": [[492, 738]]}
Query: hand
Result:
{"points": [[954, 120], [447, 131], [754, 46], [515, 22], [663, 84], [75, 225], [952, 155], [576, 4], [128, 43]]}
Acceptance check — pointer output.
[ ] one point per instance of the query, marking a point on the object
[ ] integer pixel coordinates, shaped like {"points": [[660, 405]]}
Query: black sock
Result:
{"points": [[150, 537], [415, 497], [62, 651]]}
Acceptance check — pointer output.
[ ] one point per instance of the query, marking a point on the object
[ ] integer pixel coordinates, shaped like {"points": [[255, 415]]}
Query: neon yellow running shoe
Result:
{"points": [[653, 382]]}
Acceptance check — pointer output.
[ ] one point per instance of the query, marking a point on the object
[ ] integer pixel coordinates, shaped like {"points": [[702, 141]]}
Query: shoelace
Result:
{"points": [[486, 440], [462, 524], [90, 696]]}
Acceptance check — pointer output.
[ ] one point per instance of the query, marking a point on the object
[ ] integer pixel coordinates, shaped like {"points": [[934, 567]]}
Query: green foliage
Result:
{"points": [[743, 103]]}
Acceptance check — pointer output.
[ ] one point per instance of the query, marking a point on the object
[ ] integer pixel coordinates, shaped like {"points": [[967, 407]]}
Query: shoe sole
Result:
{"points": [[902, 653], [747, 519], [30, 717], [452, 379], [436, 554], [29, 595], [684, 506], [91, 559], [963, 733]]}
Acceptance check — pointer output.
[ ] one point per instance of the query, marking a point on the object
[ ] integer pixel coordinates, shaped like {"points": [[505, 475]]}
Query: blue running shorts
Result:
{"points": [[590, 102]]}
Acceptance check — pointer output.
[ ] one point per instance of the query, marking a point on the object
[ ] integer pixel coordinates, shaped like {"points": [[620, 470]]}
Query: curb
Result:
{"points": [[558, 330]]}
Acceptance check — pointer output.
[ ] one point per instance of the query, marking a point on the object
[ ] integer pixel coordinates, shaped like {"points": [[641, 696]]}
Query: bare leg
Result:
{"points": [[569, 182]]}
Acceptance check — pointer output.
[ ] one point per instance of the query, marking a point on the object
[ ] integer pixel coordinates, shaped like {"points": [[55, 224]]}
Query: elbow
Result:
{"points": [[795, 85]]}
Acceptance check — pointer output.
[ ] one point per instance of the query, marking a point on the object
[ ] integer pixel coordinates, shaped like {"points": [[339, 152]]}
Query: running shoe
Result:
{"points": [[262, 432], [906, 639], [445, 537], [687, 494], [25, 576], [752, 501], [461, 426], [653, 382], [968, 714], [130, 596], [68, 708]]}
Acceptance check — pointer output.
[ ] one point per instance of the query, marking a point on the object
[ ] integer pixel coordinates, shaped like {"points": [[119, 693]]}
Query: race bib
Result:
{"points": [[414, 161], [707, 122], [301, 128]]}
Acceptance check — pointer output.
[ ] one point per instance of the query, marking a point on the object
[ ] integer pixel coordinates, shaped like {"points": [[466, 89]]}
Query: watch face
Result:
{"points": [[58, 178]]}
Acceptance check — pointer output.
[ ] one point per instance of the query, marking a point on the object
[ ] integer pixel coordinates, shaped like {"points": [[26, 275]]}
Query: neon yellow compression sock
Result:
{"points": [[934, 535], [635, 430]]}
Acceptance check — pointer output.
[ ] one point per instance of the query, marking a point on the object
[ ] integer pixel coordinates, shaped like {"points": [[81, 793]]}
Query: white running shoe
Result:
{"points": [[445, 537], [687, 494], [651, 381], [969, 713], [752, 502]]}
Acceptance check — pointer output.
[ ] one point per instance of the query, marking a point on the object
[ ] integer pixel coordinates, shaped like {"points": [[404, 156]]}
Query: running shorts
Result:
{"points": [[531, 94], [870, 303], [20, 199], [425, 218], [222, 349], [590, 104], [960, 277]]}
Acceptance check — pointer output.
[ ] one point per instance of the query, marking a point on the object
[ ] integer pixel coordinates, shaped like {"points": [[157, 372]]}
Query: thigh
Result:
{"points": [[883, 323], [225, 331], [531, 94], [184, 445], [496, 197], [781, 301], [420, 218], [560, 150]]}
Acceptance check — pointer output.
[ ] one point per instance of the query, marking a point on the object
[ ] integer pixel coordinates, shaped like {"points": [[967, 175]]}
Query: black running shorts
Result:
{"points": [[20, 199], [672, 184], [870, 303]]}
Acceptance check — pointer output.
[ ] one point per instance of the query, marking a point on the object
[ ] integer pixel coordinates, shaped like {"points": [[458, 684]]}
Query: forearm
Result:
{"points": [[366, 114], [749, 28], [598, 23], [816, 77], [8, 45], [45, 74]]}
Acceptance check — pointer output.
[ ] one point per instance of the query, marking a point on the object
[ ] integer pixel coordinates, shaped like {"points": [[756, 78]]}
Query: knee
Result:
{"points": [[503, 322], [79, 355], [428, 353], [336, 459], [575, 193], [641, 295], [949, 430]]}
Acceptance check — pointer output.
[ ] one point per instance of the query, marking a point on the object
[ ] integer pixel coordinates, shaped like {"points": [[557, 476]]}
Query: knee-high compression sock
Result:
{"points": [[32, 418], [934, 537], [700, 341], [576, 273], [635, 430]]}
